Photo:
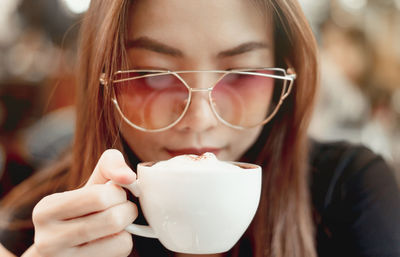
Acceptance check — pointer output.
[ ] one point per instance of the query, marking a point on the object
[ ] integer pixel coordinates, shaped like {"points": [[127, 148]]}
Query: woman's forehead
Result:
{"points": [[206, 24]]}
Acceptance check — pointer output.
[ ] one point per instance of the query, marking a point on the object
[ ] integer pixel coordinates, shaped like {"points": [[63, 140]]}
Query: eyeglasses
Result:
{"points": [[156, 100]]}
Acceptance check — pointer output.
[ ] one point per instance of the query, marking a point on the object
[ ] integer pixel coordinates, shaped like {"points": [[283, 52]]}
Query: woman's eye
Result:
{"points": [[160, 81], [234, 78], [141, 73]]}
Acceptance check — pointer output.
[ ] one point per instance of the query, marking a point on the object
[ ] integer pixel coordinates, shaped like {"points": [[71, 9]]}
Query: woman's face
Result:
{"points": [[196, 35]]}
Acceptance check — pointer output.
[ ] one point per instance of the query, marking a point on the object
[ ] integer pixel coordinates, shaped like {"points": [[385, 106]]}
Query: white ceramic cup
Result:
{"points": [[196, 212]]}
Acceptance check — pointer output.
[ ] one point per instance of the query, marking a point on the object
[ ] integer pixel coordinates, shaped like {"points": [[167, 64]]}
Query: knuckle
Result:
{"points": [[98, 198], [133, 211], [82, 233], [110, 154], [79, 232], [117, 192], [39, 213], [42, 245], [126, 240], [116, 222], [121, 216], [102, 197]]}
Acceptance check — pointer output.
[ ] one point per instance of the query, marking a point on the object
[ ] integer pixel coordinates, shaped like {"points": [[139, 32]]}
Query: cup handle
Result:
{"points": [[140, 230]]}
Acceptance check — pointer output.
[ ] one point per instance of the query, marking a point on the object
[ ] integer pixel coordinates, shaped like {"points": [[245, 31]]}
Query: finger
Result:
{"points": [[99, 225], [117, 245], [112, 166], [77, 203]]}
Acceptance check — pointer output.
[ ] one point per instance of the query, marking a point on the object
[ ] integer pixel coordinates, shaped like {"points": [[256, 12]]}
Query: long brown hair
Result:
{"points": [[283, 224]]}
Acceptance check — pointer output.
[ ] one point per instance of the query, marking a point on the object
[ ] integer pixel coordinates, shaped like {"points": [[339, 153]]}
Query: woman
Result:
{"points": [[253, 113]]}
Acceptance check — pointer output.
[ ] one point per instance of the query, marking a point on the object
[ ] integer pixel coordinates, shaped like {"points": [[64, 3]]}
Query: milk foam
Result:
{"points": [[204, 162]]}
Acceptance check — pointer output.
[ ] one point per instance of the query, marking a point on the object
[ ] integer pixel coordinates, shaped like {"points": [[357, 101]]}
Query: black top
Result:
{"points": [[356, 203]]}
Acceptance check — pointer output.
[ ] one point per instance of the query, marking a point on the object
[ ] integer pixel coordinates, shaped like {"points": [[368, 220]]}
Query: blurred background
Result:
{"points": [[359, 98]]}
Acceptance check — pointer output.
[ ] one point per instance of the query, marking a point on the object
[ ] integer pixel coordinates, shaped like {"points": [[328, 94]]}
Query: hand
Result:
{"points": [[89, 221]]}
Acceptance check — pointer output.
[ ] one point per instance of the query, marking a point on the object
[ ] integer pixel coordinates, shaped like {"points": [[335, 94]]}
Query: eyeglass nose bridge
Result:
{"points": [[201, 89]]}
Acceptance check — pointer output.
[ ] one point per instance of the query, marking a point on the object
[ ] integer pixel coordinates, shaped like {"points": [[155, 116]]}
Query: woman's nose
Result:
{"points": [[199, 116]]}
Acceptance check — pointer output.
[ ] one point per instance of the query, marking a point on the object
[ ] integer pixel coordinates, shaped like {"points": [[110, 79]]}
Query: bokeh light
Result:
{"points": [[76, 6], [397, 2], [353, 5]]}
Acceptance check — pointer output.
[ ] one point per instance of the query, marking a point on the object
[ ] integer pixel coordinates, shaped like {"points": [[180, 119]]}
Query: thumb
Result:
{"points": [[112, 166]]}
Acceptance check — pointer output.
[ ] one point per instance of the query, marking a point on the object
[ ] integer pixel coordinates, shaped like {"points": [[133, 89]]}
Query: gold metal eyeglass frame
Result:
{"points": [[288, 77]]}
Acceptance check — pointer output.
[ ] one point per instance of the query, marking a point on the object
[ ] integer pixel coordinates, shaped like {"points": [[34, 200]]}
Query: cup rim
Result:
{"points": [[243, 165]]}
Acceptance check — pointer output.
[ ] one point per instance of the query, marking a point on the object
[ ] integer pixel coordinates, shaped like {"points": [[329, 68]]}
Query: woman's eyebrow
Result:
{"points": [[243, 48], [154, 45]]}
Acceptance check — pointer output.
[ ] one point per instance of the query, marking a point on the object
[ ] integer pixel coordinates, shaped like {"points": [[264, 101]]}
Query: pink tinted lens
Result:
{"points": [[151, 102], [247, 99]]}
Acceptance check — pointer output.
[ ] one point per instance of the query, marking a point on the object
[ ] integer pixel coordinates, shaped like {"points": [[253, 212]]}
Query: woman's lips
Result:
{"points": [[197, 151]]}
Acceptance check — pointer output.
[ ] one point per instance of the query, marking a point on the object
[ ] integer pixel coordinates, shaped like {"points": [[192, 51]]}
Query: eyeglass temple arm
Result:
{"points": [[292, 76]]}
